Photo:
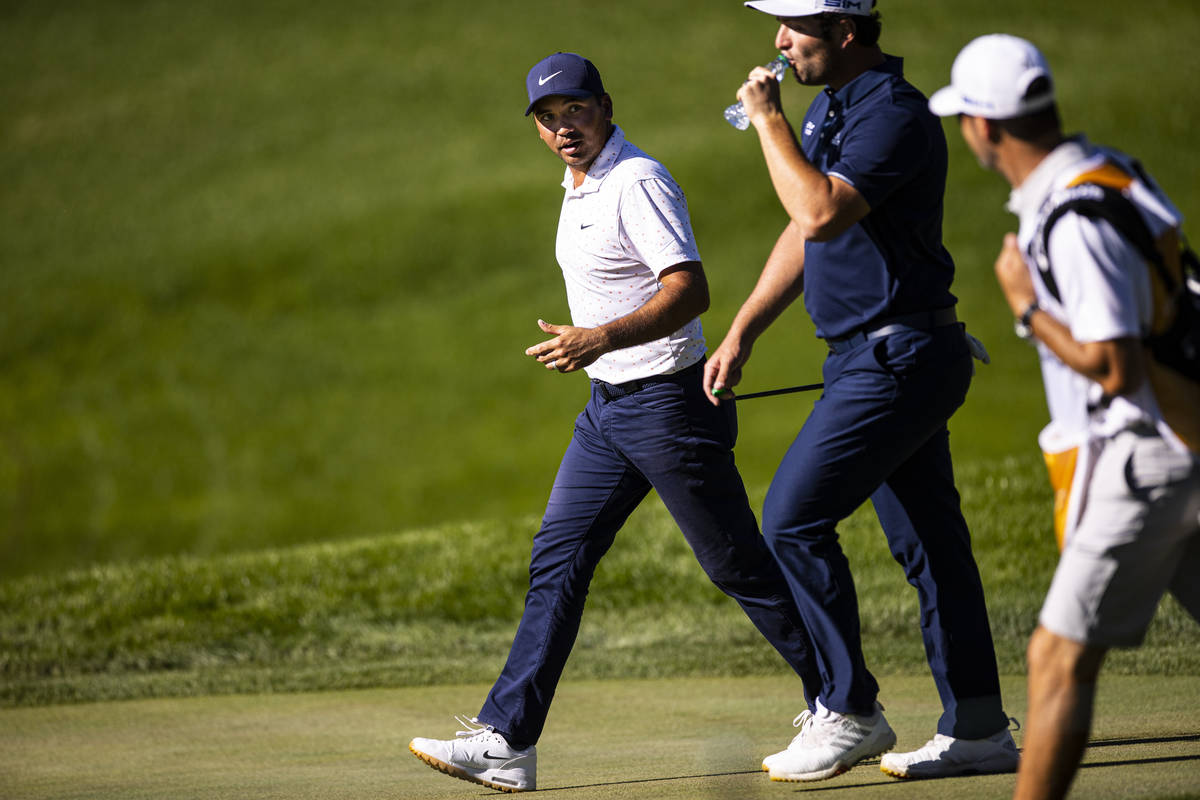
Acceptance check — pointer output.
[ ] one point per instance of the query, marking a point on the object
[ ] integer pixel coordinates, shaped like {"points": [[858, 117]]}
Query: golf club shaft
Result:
{"points": [[805, 388]]}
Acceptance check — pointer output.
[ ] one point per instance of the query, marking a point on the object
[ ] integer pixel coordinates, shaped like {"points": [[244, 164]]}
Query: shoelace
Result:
{"points": [[473, 728], [847, 722], [804, 720]]}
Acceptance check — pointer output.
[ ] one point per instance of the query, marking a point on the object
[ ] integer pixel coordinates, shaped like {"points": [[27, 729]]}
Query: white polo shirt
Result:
{"points": [[1105, 290], [625, 224]]}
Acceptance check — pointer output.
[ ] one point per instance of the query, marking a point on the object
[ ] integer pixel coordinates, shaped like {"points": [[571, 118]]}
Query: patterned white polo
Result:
{"points": [[624, 225]]}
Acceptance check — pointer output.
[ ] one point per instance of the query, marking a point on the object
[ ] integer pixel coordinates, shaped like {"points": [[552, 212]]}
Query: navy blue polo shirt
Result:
{"points": [[877, 134]]}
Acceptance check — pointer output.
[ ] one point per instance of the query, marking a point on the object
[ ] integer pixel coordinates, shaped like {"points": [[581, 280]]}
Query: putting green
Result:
{"points": [[687, 738]]}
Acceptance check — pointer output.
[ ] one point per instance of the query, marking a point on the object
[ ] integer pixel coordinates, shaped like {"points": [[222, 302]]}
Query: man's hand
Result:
{"points": [[760, 93], [724, 368], [571, 348], [1013, 275], [1116, 364]]}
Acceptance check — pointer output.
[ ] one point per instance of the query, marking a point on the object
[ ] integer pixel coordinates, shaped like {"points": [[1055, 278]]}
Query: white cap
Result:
{"points": [[990, 78], [806, 8]]}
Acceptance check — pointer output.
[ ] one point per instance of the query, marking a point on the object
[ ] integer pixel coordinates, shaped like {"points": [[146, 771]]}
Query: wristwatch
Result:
{"points": [[1023, 324]]}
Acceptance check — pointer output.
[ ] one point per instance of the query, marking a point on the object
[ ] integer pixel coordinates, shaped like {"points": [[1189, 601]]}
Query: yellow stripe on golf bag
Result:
{"points": [[1061, 466], [1178, 395], [1060, 450]]}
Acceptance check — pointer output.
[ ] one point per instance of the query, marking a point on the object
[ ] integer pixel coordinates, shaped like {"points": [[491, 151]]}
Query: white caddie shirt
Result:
{"points": [[625, 224], [1105, 289]]}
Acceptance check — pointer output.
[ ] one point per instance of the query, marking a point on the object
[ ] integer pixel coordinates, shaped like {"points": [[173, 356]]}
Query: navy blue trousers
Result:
{"points": [[669, 437], [879, 432]]}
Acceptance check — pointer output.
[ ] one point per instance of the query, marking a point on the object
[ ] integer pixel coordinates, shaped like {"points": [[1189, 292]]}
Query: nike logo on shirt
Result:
{"points": [[542, 81]]}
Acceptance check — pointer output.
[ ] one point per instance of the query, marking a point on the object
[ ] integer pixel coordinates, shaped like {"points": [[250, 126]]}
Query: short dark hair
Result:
{"points": [[866, 27], [1038, 124]]}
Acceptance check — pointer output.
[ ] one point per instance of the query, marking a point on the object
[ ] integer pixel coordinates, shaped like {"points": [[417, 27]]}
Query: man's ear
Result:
{"points": [[849, 30], [607, 104]]}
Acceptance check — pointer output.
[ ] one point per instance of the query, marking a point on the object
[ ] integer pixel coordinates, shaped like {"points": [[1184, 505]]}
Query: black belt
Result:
{"points": [[920, 321], [611, 391]]}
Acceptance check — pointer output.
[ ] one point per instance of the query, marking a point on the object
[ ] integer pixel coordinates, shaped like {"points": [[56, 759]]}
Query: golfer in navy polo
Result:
{"points": [[635, 286], [862, 181]]}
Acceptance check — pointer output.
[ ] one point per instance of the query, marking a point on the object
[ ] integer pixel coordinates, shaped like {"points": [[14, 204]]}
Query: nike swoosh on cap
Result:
{"points": [[542, 81]]}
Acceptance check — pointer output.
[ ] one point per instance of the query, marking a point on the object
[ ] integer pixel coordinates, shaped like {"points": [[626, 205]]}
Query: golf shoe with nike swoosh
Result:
{"points": [[481, 755]]}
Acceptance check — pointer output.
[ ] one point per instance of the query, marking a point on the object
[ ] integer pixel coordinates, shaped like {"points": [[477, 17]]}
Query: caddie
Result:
{"points": [[1094, 277]]}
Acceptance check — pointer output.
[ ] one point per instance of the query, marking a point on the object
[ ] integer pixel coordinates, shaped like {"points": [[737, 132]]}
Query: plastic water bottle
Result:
{"points": [[736, 113]]}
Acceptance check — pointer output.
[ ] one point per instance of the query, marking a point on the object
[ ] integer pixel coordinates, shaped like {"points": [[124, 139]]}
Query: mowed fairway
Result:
{"points": [[267, 272], [687, 738]]}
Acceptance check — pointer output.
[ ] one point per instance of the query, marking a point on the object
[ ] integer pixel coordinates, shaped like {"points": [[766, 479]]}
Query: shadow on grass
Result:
{"points": [[1194, 737], [666, 779], [633, 781], [1140, 761], [1189, 737]]}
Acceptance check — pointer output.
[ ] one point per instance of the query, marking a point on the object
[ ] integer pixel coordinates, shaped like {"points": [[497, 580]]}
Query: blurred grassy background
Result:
{"points": [[267, 271]]}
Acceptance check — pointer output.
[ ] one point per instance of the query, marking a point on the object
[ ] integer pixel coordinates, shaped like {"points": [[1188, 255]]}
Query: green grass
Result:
{"points": [[267, 272], [439, 604], [679, 739], [266, 276]]}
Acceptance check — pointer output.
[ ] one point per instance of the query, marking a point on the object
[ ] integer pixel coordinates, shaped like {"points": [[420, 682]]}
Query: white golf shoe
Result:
{"points": [[480, 755], [945, 756], [830, 743], [802, 721]]}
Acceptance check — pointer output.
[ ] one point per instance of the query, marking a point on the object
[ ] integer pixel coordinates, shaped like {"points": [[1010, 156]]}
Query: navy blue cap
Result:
{"points": [[562, 73]]}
